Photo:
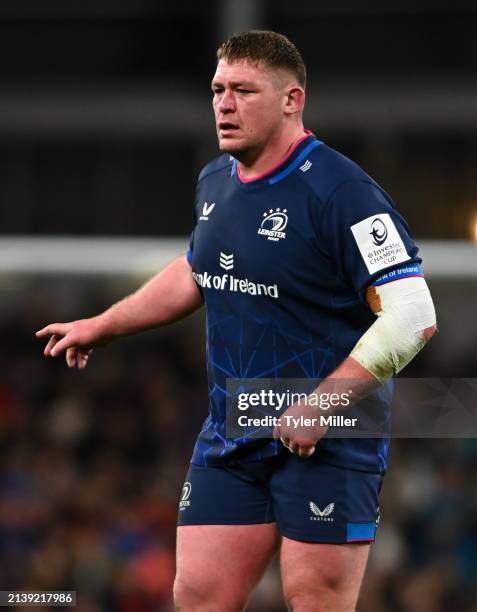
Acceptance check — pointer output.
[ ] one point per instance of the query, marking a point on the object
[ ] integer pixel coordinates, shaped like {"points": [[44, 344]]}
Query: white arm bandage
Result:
{"points": [[404, 309]]}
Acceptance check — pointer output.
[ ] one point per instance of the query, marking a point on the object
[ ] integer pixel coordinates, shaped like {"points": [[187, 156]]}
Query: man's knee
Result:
{"points": [[190, 595], [304, 599], [322, 577], [327, 590], [194, 596]]}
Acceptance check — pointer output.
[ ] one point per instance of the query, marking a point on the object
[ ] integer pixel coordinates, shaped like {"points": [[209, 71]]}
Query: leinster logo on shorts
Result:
{"points": [[186, 489], [273, 224], [322, 515]]}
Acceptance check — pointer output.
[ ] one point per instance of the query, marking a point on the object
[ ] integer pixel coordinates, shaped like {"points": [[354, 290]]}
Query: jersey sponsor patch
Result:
{"points": [[379, 242], [403, 272]]}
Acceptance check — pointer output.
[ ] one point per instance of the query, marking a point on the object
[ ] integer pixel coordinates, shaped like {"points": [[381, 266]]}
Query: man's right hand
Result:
{"points": [[169, 296], [77, 339]]}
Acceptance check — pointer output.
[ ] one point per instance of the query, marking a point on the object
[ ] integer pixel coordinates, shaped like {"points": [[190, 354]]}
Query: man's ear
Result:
{"points": [[295, 99]]}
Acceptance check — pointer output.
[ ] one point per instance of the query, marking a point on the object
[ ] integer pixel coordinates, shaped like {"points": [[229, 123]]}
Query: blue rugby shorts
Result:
{"points": [[309, 500]]}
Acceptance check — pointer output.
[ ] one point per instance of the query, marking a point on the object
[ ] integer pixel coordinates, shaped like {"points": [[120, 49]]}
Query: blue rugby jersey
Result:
{"points": [[283, 262]]}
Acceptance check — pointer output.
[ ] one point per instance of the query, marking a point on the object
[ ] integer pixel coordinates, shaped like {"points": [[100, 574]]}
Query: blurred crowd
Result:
{"points": [[92, 465]]}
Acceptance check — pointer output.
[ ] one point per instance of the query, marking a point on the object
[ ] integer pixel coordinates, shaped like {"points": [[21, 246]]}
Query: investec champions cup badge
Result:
{"points": [[273, 224], [379, 242]]}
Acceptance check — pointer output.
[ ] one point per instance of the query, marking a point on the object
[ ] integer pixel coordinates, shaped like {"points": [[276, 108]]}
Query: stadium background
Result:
{"points": [[104, 124]]}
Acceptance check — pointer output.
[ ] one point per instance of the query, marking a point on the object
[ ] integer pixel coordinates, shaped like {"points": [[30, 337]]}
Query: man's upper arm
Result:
{"points": [[188, 283], [370, 244], [364, 234]]}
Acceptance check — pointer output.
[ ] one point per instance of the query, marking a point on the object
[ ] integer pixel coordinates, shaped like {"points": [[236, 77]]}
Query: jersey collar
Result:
{"points": [[292, 160]]}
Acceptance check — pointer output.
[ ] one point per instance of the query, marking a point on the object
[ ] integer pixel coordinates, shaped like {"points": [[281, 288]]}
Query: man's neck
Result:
{"points": [[274, 153]]}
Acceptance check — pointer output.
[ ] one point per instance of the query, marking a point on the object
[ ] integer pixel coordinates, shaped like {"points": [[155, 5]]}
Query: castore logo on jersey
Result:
{"points": [[206, 210]]}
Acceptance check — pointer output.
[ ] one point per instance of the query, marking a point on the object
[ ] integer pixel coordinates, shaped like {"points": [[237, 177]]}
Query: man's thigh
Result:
{"points": [[322, 577], [327, 516], [219, 565], [226, 536]]}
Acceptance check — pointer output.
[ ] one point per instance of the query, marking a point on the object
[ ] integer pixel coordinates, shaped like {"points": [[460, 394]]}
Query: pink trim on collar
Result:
{"points": [[282, 161]]}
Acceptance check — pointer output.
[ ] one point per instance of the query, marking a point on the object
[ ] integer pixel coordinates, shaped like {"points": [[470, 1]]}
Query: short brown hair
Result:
{"points": [[271, 48]]}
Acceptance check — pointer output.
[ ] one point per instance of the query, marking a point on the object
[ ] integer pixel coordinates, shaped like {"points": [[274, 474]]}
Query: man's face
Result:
{"points": [[248, 105]]}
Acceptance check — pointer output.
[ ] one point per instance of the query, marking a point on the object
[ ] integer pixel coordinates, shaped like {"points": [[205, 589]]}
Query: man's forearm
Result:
{"points": [[167, 297], [405, 322], [352, 378]]}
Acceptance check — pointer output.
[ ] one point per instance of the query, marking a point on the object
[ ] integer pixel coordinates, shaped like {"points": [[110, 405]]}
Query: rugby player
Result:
{"points": [[307, 270]]}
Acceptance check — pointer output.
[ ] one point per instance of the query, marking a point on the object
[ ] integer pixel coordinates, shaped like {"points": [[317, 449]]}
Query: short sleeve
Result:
{"points": [[364, 234]]}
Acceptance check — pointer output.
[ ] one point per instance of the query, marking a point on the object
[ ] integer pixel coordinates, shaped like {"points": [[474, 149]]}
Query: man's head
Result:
{"points": [[258, 91]]}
